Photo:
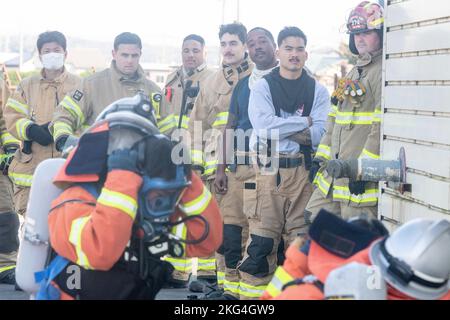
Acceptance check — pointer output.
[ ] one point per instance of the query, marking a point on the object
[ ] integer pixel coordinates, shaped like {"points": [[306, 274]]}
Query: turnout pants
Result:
{"points": [[279, 202], [9, 226], [235, 230], [340, 208]]}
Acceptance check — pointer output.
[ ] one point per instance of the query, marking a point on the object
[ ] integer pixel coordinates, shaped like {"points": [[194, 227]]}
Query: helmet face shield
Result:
{"points": [[158, 198]]}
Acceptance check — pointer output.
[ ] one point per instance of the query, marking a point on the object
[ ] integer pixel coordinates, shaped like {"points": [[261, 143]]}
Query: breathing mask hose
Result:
{"points": [[205, 232]]}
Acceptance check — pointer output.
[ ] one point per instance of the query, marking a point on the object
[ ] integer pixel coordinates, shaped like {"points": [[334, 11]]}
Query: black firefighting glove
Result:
{"points": [[343, 168], [357, 187], [60, 142], [315, 166], [123, 159], [40, 134]]}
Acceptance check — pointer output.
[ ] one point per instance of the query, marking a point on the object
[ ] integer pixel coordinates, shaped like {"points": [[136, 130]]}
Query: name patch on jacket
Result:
{"points": [[78, 95]]}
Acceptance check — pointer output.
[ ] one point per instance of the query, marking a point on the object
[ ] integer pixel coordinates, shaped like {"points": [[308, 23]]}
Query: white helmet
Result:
{"points": [[415, 259], [355, 281], [135, 117]]}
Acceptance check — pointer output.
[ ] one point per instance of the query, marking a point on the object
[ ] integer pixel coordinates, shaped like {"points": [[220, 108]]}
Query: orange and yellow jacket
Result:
{"points": [[318, 263], [94, 233]]}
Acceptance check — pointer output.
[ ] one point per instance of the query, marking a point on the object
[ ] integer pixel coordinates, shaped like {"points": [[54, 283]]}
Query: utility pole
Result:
{"points": [[238, 11]]}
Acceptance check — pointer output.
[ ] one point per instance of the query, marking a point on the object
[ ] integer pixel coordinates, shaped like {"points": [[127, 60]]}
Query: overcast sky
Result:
{"points": [[168, 21]]}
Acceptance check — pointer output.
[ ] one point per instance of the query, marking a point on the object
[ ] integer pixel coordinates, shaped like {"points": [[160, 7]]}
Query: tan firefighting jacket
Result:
{"points": [[34, 101], [210, 115], [173, 92], [353, 129], [6, 141], [81, 107]]}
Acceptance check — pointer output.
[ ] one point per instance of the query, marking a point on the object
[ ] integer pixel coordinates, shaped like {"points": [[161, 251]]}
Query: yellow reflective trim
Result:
{"points": [[180, 264], [221, 119], [198, 205], [74, 109], [21, 127], [180, 231], [119, 201], [377, 115], [184, 122], [19, 179], [75, 235], [210, 167], [368, 155], [250, 291], [231, 286], [156, 104], [363, 118], [333, 111], [206, 264], [280, 278], [167, 123], [60, 129], [19, 107], [376, 22], [8, 138], [220, 277], [197, 157], [322, 183], [343, 193], [323, 151], [3, 269]]}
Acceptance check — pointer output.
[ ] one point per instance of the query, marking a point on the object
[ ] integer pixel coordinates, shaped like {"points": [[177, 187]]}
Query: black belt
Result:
{"points": [[288, 163]]}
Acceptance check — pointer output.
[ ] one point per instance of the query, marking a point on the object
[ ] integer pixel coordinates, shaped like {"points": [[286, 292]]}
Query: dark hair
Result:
{"points": [[127, 38], [195, 37], [234, 28], [291, 32], [265, 31], [51, 36], [158, 159]]}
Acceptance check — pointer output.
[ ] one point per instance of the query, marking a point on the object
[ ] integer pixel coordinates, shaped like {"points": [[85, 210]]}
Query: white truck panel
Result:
{"points": [[416, 103], [422, 68], [432, 37], [419, 157], [423, 98], [417, 10], [401, 210], [424, 128], [432, 191]]}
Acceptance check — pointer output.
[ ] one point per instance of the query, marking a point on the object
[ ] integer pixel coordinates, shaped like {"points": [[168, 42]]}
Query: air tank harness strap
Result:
{"points": [[47, 291]]}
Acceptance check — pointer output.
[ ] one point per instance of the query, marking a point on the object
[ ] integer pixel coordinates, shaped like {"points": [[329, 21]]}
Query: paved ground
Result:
{"points": [[8, 293]]}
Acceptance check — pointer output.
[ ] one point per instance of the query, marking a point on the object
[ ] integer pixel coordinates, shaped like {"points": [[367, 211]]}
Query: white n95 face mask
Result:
{"points": [[53, 60]]}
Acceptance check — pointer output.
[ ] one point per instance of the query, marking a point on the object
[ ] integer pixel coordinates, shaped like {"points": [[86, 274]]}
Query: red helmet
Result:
{"points": [[365, 17]]}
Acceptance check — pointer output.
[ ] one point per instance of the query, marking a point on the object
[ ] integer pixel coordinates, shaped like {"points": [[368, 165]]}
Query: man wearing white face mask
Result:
{"points": [[30, 109]]}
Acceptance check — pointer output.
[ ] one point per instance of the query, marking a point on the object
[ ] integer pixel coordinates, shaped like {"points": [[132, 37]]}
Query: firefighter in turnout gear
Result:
{"points": [[113, 231], [125, 78], [30, 109], [288, 110], [353, 128], [9, 221], [235, 184], [183, 85], [209, 118], [180, 93]]}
